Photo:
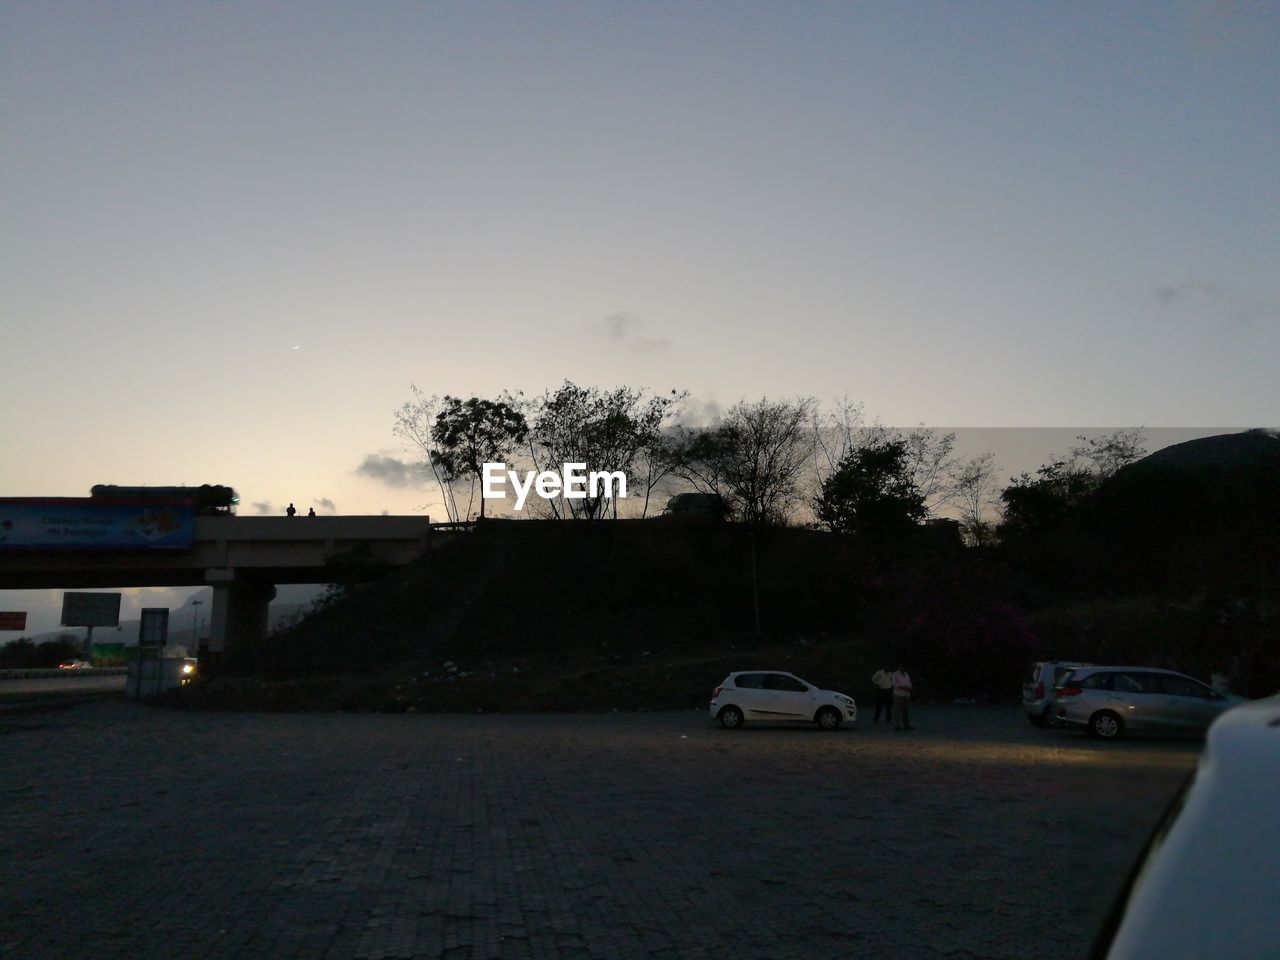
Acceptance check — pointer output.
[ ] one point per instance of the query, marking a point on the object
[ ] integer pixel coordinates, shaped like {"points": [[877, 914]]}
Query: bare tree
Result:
{"points": [[835, 433], [655, 465], [1108, 453], [976, 493], [606, 430], [929, 453], [415, 425], [926, 454], [754, 458]]}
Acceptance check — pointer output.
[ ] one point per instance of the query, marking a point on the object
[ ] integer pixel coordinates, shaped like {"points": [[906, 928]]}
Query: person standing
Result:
{"points": [[291, 510], [902, 698], [883, 680]]}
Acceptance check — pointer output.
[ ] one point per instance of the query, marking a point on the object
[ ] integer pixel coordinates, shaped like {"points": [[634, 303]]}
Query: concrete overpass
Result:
{"points": [[242, 558]]}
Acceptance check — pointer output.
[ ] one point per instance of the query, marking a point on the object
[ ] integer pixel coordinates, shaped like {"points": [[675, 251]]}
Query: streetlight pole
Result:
{"points": [[195, 627]]}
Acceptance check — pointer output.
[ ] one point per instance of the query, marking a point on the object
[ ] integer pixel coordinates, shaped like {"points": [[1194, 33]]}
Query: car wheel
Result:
{"points": [[730, 718], [1105, 725], [828, 718]]}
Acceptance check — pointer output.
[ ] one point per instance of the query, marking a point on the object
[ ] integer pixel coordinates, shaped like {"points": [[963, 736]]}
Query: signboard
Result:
{"points": [[13, 621], [153, 630], [146, 673], [82, 523], [91, 609]]}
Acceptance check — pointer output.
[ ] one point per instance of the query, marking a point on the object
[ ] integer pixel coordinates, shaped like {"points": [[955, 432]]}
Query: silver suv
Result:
{"points": [[774, 697], [1110, 701], [1037, 688]]}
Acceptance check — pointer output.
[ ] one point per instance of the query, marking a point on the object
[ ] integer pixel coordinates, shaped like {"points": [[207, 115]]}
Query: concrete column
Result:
{"points": [[238, 620]]}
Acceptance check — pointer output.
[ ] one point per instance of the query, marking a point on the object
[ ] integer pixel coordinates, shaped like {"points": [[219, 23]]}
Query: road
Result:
{"points": [[75, 686], [128, 831]]}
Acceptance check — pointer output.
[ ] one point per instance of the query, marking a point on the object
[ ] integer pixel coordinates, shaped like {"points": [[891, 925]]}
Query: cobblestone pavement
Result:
{"points": [[133, 832]]}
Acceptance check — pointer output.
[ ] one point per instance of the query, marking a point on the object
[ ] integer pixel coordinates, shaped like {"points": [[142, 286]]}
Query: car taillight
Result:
{"points": [[1039, 691], [716, 692], [1070, 692]]}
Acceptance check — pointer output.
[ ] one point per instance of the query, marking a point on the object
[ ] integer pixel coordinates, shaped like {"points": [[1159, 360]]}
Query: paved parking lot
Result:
{"points": [[133, 832]]}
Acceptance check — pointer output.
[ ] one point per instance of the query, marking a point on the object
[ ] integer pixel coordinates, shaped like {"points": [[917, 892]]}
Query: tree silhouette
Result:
{"points": [[470, 433], [872, 492], [754, 458], [608, 430]]}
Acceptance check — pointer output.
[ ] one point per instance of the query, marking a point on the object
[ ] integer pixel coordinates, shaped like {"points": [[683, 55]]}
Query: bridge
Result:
{"points": [[242, 558]]}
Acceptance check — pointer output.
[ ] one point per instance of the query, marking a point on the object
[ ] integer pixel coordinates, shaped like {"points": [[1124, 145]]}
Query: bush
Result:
{"points": [[24, 653]]}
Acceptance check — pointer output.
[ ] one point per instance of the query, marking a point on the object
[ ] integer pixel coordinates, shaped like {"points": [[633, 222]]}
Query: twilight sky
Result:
{"points": [[233, 234]]}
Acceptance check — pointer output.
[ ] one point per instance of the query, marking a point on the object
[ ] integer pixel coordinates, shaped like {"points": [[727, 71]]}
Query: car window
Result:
{"points": [[1032, 674], [1183, 687], [1094, 681], [749, 681], [1152, 682], [776, 681], [1132, 683]]}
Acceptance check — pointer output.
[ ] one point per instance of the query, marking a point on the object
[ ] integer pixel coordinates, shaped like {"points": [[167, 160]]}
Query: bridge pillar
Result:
{"points": [[239, 617]]}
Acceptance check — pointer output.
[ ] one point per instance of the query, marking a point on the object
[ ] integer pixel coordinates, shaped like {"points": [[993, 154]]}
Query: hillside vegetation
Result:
{"points": [[1172, 562], [632, 614]]}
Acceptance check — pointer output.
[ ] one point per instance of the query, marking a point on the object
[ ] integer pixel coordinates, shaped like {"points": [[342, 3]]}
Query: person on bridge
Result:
{"points": [[290, 511], [311, 512]]}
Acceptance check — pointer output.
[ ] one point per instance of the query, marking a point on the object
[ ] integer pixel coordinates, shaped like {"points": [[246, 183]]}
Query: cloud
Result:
{"points": [[622, 328], [1188, 292], [1219, 29], [699, 412], [619, 325], [263, 507], [650, 344], [1223, 303], [1260, 311], [324, 503], [389, 470]]}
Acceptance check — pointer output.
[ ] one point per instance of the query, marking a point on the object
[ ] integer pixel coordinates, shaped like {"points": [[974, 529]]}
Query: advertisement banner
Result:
{"points": [[69, 523], [13, 619], [90, 609]]}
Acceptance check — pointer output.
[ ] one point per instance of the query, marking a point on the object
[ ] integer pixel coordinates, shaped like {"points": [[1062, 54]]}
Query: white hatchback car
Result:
{"points": [[776, 697]]}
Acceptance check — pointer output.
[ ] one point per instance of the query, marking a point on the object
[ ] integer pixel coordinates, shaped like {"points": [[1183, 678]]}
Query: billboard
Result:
{"points": [[91, 609], [10, 620], [81, 523]]}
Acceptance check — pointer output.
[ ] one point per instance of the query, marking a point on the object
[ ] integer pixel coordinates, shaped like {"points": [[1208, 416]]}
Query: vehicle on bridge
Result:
{"points": [[208, 498]]}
